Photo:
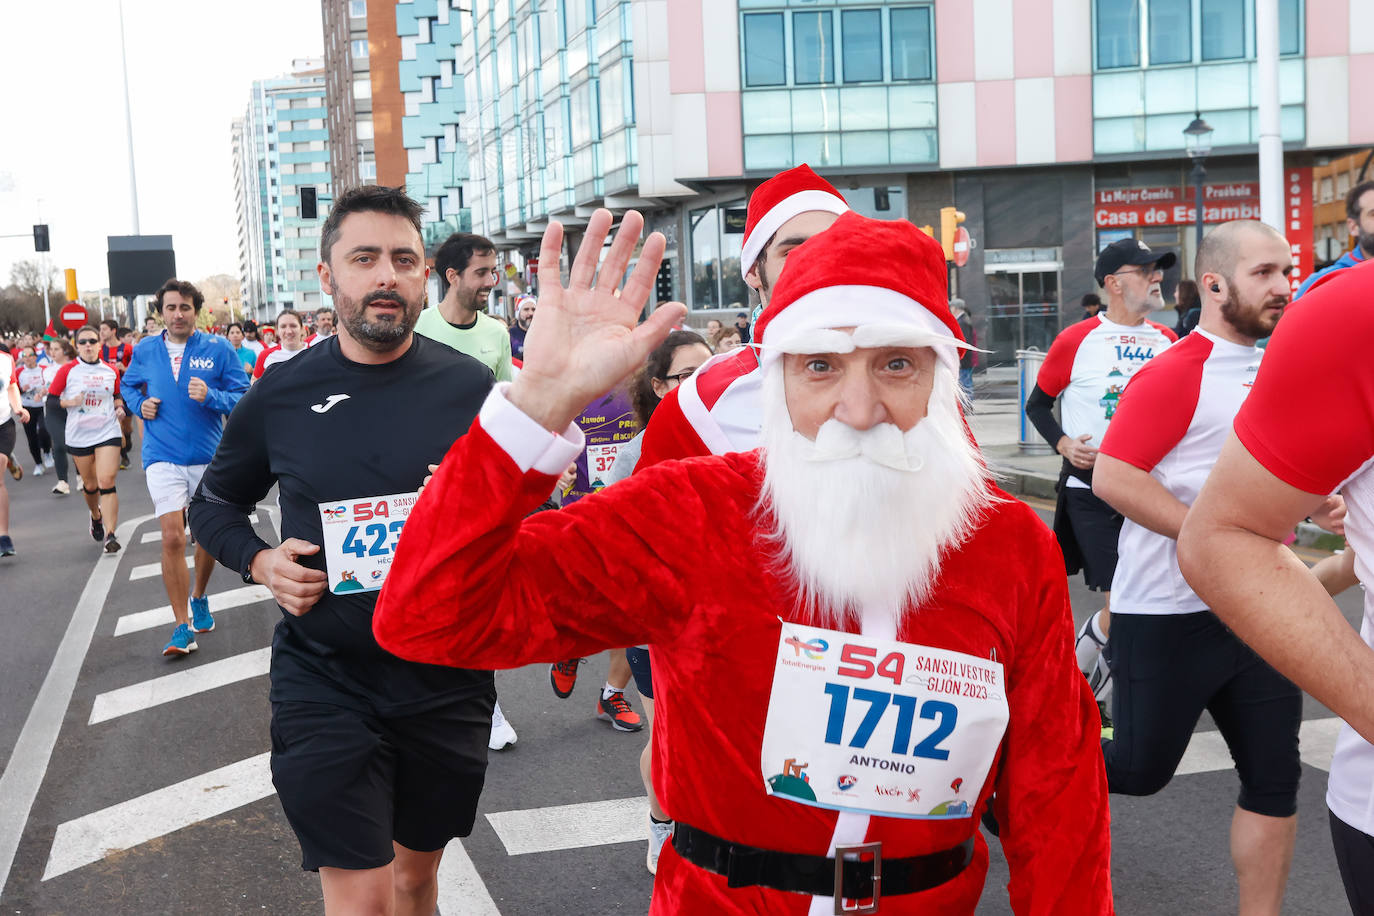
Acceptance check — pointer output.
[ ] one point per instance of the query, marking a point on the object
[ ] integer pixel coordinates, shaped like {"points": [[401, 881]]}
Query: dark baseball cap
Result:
{"points": [[1125, 252]]}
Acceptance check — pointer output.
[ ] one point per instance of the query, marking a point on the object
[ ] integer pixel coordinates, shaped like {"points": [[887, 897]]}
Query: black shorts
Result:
{"points": [[1355, 859], [8, 432], [639, 667], [351, 783], [1168, 668], [1096, 527], [86, 451]]}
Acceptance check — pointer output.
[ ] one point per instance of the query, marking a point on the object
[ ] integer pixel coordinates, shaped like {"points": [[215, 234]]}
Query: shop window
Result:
{"points": [[910, 34], [1171, 31], [813, 48], [1118, 34], [1290, 26], [862, 32], [764, 63], [1223, 29], [717, 235]]}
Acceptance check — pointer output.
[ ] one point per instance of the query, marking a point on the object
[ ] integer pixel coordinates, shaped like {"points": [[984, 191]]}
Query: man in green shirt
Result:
{"points": [[467, 263]]}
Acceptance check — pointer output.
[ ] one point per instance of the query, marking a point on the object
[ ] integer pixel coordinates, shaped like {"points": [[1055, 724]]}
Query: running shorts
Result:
{"points": [[638, 657], [8, 432], [1355, 859], [351, 783], [86, 451], [171, 485], [1096, 527]]}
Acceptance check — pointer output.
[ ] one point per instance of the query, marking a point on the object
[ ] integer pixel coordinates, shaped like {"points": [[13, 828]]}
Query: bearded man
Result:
{"points": [[378, 762], [844, 683]]}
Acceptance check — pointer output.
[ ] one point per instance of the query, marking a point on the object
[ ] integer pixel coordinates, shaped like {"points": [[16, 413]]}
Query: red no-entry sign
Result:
{"points": [[73, 315], [961, 246]]}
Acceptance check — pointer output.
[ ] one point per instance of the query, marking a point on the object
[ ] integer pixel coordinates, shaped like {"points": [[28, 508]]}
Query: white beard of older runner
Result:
{"points": [[862, 516]]}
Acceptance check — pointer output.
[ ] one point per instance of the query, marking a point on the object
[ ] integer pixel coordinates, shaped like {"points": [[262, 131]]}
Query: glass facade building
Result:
{"points": [[281, 145]]}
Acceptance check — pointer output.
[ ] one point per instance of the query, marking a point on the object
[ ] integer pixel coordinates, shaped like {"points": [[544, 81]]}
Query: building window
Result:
{"points": [[364, 130], [1223, 29], [764, 57], [362, 88], [368, 171], [1290, 26], [717, 235], [911, 44], [1118, 34], [813, 48], [1171, 31], [862, 32], [360, 48], [357, 8]]}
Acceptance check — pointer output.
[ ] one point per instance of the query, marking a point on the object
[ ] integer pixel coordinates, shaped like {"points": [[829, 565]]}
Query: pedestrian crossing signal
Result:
{"points": [[308, 203], [40, 237]]}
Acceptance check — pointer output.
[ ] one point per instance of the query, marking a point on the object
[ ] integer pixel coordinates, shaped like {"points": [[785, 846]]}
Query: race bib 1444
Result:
{"points": [[360, 536], [881, 727]]}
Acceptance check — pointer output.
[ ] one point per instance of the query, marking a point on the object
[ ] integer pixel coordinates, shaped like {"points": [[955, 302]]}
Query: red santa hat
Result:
{"points": [[780, 198], [901, 299]]}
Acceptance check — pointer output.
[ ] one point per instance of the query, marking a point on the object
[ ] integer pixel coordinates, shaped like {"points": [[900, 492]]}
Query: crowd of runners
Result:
{"points": [[847, 595]]}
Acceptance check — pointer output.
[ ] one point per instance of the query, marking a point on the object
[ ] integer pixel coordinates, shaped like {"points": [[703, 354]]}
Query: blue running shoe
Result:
{"points": [[183, 641], [201, 621], [6, 546]]}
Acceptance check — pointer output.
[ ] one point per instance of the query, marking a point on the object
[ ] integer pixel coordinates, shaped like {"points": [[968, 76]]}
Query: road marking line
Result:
{"points": [[167, 688], [461, 889], [162, 616], [1207, 751], [154, 536], [28, 763], [148, 570], [123, 826], [618, 820]]}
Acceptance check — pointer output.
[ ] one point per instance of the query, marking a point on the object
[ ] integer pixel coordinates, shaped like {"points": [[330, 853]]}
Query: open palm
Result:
{"points": [[584, 339]]}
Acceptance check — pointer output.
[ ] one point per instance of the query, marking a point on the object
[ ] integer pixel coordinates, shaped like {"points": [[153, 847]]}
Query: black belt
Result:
{"points": [[857, 879]]}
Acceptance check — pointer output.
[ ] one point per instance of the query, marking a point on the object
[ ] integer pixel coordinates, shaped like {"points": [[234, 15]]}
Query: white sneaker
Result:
{"points": [[47, 460], [38, 469], [1088, 646], [62, 488], [658, 835], [502, 732]]}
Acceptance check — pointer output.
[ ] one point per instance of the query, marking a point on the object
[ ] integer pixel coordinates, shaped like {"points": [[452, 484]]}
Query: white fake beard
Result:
{"points": [[861, 520]]}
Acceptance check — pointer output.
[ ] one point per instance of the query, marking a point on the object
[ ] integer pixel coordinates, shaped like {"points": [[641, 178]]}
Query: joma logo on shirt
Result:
{"points": [[201, 362]]}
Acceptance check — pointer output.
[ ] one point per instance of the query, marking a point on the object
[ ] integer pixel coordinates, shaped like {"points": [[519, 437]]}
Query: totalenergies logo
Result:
{"points": [[813, 649], [335, 513]]}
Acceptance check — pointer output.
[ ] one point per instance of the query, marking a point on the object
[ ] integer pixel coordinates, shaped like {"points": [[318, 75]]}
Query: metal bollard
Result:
{"points": [[1028, 364]]}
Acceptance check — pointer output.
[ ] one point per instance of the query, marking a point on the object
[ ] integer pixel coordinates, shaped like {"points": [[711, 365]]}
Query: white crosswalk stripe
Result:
{"points": [[181, 684], [600, 823], [162, 616], [148, 570]]}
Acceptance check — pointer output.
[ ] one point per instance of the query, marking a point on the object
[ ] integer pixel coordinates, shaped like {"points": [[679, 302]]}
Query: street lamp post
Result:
{"points": [[1197, 140]]}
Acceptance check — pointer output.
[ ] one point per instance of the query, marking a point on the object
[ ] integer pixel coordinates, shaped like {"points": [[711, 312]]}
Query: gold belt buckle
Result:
{"points": [[858, 850]]}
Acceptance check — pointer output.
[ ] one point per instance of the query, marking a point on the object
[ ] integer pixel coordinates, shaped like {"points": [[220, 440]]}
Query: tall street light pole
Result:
{"points": [[129, 135], [1197, 140]]}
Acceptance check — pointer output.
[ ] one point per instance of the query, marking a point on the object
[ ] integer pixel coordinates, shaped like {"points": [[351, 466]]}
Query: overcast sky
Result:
{"points": [[191, 67]]}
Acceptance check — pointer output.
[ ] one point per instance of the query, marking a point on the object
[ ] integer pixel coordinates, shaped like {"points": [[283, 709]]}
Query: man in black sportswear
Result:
{"points": [[378, 762]]}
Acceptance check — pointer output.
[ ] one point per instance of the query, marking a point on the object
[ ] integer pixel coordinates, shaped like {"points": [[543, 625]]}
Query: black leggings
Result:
{"points": [[56, 416], [1168, 668], [1355, 859], [37, 434]]}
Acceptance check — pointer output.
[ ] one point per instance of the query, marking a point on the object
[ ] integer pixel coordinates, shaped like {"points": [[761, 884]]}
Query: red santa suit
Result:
{"points": [[673, 558]]}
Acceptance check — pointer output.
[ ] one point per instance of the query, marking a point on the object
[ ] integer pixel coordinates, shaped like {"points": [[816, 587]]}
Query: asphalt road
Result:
{"points": [[153, 798]]}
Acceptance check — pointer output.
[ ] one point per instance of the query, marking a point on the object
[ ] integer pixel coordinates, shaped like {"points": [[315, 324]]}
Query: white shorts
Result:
{"points": [[171, 485]]}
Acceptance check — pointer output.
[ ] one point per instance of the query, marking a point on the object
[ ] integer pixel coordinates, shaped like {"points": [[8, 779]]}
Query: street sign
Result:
{"points": [[961, 246], [73, 315]]}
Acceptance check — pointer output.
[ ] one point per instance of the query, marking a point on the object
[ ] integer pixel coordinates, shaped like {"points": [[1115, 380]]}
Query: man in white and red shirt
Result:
{"points": [[717, 409], [1170, 656], [1088, 366], [1306, 431], [324, 327]]}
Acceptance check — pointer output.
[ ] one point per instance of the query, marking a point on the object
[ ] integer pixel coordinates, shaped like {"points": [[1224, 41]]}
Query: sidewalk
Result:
{"points": [[995, 422]]}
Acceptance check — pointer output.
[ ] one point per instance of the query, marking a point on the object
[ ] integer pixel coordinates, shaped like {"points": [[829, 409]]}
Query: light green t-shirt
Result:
{"points": [[487, 341]]}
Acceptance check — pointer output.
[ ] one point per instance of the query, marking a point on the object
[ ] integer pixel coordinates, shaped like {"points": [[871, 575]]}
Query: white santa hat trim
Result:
{"points": [[880, 317], [788, 207]]}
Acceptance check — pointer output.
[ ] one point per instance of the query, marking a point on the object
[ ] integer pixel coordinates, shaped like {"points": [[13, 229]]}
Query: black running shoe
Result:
{"points": [[6, 546], [111, 543], [97, 530]]}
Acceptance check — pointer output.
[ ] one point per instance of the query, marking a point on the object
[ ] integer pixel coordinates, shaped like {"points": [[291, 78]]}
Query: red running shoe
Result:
{"points": [[563, 676], [617, 711]]}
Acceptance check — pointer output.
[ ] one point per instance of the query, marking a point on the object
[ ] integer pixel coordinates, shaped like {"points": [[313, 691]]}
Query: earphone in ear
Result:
{"points": [[1216, 288]]}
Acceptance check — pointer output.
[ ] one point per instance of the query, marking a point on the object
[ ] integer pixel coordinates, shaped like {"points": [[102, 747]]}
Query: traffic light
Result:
{"points": [[950, 219], [928, 230], [308, 201], [40, 237], [663, 283]]}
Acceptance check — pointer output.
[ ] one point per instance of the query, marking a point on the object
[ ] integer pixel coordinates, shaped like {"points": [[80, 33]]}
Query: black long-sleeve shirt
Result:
{"points": [[326, 430]]}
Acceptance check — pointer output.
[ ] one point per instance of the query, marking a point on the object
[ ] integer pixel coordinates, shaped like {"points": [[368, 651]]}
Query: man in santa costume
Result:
{"points": [[859, 684], [718, 409]]}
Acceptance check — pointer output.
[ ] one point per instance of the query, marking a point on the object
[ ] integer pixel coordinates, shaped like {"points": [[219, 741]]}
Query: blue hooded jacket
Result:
{"points": [[1349, 259], [185, 432]]}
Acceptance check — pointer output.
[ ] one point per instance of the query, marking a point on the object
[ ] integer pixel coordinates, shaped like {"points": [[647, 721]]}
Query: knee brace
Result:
{"points": [[104, 491], [88, 492]]}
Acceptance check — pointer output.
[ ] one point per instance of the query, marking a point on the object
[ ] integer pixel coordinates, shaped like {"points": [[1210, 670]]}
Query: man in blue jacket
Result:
{"points": [[182, 382], [1359, 211]]}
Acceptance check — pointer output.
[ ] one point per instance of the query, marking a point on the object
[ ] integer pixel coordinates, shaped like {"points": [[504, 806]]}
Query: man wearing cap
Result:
{"points": [[846, 693], [717, 409], [1171, 658], [1088, 365]]}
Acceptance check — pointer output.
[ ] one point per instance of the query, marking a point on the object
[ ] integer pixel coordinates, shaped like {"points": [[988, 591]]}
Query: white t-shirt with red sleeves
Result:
{"points": [[1089, 364], [1310, 423], [93, 421], [30, 382], [6, 379], [1172, 422], [273, 355]]}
